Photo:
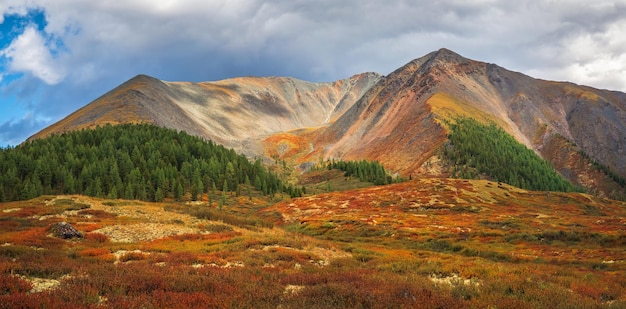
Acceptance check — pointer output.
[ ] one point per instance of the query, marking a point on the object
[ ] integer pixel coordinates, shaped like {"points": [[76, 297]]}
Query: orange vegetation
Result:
{"points": [[430, 243]]}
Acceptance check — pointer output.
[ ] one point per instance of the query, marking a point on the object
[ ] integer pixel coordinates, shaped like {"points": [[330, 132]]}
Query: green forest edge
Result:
{"points": [[478, 150], [142, 162], [366, 171], [148, 163]]}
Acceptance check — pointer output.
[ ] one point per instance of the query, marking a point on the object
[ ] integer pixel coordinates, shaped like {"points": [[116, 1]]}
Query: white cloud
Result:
{"points": [[327, 39], [29, 53], [104, 43]]}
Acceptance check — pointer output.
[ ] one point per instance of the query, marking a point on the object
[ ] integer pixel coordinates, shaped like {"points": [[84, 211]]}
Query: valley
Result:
{"points": [[449, 183]]}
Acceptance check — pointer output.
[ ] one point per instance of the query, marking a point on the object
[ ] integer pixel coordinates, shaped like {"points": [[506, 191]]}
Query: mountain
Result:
{"points": [[400, 119], [236, 112]]}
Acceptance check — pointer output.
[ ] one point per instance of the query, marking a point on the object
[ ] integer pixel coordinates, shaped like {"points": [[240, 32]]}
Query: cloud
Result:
{"points": [[29, 53], [320, 40], [14, 132], [89, 47]]}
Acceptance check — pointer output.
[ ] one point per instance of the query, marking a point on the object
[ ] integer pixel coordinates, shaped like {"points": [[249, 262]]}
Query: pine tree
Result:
{"points": [[178, 192], [158, 195], [129, 193], [247, 183], [224, 190], [212, 195], [112, 193]]}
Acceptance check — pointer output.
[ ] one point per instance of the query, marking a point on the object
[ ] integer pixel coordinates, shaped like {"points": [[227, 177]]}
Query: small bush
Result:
{"points": [[100, 214], [133, 256], [12, 284], [97, 237], [94, 252], [216, 228]]}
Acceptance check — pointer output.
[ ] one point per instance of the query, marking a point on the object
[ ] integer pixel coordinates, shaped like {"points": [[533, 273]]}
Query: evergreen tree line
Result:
{"points": [[366, 171], [142, 162], [605, 169], [477, 149]]}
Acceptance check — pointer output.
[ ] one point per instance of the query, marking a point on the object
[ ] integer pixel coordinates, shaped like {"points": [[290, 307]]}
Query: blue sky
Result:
{"points": [[57, 56]]}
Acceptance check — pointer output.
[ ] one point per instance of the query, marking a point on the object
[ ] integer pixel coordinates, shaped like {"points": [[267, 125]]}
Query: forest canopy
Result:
{"points": [[477, 149], [128, 161]]}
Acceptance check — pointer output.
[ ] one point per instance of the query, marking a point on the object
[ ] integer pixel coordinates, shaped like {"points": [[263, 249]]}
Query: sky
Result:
{"points": [[58, 55]]}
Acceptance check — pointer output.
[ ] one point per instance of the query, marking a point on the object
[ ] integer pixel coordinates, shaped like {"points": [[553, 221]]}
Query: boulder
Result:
{"points": [[65, 230]]}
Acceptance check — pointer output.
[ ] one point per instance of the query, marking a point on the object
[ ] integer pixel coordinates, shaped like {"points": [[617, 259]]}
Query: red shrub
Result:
{"points": [[100, 214], [181, 258], [97, 237], [36, 237], [12, 284], [94, 252]]}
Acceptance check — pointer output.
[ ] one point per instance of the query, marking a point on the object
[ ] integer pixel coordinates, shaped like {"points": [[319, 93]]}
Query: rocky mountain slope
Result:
{"points": [[236, 112], [399, 119]]}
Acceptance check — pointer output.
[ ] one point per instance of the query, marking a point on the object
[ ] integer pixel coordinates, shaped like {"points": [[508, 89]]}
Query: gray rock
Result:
{"points": [[65, 230]]}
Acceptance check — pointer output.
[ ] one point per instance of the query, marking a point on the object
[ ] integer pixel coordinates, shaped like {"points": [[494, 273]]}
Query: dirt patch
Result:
{"points": [[453, 280], [143, 231]]}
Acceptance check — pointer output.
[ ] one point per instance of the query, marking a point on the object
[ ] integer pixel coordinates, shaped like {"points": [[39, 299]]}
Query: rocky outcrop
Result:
{"points": [[65, 230]]}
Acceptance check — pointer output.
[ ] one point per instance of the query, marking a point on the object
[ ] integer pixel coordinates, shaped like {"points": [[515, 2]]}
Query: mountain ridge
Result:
{"points": [[399, 119], [234, 112]]}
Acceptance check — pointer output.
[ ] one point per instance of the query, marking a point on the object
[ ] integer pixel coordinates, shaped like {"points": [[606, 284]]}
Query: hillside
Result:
{"points": [[237, 113], [430, 243], [142, 162]]}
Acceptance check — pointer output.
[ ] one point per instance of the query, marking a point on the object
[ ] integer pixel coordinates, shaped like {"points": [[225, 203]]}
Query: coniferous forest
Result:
{"points": [[477, 149], [366, 171], [141, 162]]}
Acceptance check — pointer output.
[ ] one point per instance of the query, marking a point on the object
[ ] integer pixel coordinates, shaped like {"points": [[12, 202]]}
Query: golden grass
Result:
{"points": [[448, 108]]}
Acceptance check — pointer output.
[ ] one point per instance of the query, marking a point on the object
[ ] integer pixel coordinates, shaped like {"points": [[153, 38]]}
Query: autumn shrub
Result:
{"points": [[464, 291], [10, 284], [441, 245], [181, 258], [50, 264], [37, 237], [364, 289], [133, 256], [216, 228], [363, 255], [164, 299], [94, 252], [222, 216], [97, 213], [291, 242], [490, 255], [25, 300], [401, 267], [97, 238], [26, 212], [14, 251], [344, 263], [70, 204]]}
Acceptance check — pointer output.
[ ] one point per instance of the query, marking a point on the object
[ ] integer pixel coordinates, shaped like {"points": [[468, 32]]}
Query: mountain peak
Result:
{"points": [[143, 78], [447, 56], [432, 59]]}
